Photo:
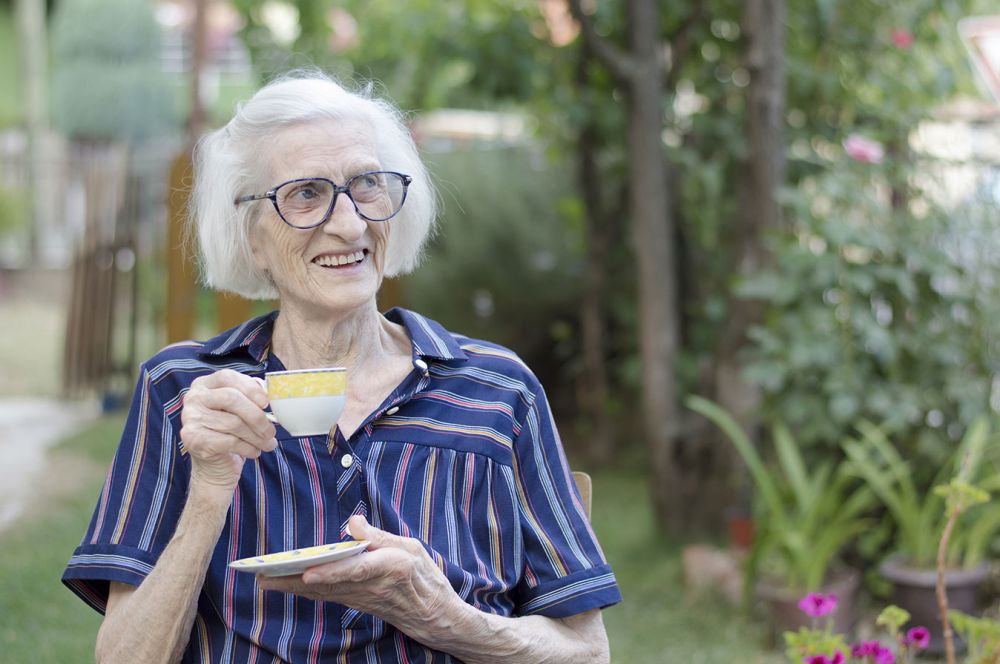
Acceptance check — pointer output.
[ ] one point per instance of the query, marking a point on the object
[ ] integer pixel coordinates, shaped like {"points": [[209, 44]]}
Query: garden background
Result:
{"points": [[788, 207]]}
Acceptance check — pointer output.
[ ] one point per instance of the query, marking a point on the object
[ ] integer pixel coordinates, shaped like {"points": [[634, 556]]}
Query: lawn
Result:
{"points": [[657, 623]]}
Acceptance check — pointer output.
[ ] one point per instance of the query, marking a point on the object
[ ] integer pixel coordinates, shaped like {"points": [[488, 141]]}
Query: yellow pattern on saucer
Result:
{"points": [[310, 383]]}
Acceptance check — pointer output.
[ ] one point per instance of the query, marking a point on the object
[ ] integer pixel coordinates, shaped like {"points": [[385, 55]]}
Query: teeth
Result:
{"points": [[336, 261]]}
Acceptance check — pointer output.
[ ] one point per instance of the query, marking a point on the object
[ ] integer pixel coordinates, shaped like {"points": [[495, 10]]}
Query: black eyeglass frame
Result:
{"points": [[272, 195]]}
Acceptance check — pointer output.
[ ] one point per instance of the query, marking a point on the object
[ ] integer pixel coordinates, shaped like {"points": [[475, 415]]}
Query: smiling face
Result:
{"points": [[337, 266]]}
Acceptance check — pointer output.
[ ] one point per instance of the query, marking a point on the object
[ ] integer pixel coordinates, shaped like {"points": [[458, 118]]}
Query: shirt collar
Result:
{"points": [[252, 337], [429, 339]]}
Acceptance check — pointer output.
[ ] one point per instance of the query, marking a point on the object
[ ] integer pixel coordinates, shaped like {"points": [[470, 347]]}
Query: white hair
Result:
{"points": [[228, 164]]}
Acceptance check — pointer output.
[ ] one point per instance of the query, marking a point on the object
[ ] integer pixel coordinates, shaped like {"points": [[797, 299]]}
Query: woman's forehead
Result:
{"points": [[323, 148]]}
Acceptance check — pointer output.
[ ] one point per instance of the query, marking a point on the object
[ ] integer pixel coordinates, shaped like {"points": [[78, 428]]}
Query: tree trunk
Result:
{"points": [[593, 388], [653, 238], [763, 27], [640, 71], [34, 77]]}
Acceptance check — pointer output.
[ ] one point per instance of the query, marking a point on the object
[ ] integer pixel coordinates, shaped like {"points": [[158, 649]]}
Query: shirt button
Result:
{"points": [[392, 411], [346, 460], [420, 364]]}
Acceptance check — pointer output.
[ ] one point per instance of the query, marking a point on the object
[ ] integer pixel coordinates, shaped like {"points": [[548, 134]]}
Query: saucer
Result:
{"points": [[296, 561]]}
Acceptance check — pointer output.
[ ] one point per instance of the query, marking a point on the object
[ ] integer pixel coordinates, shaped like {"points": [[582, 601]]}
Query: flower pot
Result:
{"points": [[740, 531], [915, 589], [781, 605]]}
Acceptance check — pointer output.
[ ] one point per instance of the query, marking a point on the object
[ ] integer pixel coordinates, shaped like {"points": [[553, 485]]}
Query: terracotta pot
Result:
{"points": [[781, 605], [914, 589], [740, 530]]}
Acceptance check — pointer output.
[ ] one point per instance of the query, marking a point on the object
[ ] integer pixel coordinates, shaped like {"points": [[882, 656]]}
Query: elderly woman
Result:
{"points": [[445, 458]]}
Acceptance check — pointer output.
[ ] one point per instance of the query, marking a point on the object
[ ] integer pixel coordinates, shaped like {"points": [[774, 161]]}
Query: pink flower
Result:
{"points": [[918, 636], [865, 648], [902, 38], [864, 149], [818, 604], [838, 658], [884, 656]]}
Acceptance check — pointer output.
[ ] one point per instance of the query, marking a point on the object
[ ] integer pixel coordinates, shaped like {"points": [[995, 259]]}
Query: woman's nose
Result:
{"points": [[344, 220]]}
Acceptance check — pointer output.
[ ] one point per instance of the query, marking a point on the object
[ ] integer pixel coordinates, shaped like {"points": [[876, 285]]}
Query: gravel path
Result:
{"points": [[28, 427]]}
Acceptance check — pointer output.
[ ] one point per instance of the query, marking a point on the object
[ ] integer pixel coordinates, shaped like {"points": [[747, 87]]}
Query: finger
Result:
{"points": [[359, 528], [250, 386], [228, 423], [207, 443], [231, 400]]}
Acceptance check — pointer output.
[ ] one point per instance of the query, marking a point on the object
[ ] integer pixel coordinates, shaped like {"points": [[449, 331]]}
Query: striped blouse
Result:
{"points": [[463, 455]]}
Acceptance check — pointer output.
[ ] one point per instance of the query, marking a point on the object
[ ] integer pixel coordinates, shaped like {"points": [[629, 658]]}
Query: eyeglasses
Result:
{"points": [[309, 202]]}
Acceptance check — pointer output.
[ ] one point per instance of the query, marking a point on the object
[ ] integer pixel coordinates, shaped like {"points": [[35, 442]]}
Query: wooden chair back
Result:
{"points": [[584, 485]]}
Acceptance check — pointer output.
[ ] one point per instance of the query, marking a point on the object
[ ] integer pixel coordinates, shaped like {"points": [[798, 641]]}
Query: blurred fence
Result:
{"points": [[100, 219]]}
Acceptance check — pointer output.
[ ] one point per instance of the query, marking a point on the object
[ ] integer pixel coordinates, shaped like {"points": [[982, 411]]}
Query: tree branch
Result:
{"points": [[621, 65]]}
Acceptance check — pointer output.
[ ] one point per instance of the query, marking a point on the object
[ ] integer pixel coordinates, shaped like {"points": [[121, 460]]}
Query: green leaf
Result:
{"points": [[758, 471], [791, 463]]}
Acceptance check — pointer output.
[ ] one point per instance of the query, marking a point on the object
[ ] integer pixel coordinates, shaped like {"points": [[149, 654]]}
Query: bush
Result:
{"points": [[874, 314], [505, 263]]}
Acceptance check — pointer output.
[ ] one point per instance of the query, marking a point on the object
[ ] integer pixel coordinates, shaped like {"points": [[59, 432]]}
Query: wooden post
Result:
{"points": [[181, 287], [230, 310]]}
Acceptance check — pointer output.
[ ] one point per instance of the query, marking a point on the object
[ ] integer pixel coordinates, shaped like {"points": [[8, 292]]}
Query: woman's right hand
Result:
{"points": [[223, 424]]}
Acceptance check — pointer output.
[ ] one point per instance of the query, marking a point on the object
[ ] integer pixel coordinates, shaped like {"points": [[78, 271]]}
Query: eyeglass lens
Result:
{"points": [[377, 196]]}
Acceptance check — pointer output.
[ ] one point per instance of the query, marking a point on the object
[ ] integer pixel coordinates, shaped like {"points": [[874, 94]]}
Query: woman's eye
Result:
{"points": [[306, 193]]}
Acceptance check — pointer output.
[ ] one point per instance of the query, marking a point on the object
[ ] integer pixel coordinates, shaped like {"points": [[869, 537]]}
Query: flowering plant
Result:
{"points": [[819, 645]]}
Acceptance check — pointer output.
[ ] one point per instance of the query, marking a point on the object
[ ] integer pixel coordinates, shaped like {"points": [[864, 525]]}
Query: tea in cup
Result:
{"points": [[307, 402]]}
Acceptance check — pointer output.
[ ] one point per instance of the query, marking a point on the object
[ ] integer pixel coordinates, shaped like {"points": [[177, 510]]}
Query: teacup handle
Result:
{"points": [[268, 414]]}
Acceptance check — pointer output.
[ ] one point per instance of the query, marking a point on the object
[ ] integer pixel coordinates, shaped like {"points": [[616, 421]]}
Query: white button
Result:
{"points": [[346, 460], [392, 411], [420, 364]]}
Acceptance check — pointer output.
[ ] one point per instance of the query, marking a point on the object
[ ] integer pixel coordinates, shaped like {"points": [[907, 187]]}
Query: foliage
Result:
{"points": [[918, 518], [872, 312], [428, 55], [503, 235], [820, 645], [804, 518], [14, 210], [11, 99], [871, 316], [981, 636], [107, 81]]}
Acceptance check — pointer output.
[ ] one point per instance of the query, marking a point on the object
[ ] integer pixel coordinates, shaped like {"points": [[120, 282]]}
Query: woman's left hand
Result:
{"points": [[394, 579]]}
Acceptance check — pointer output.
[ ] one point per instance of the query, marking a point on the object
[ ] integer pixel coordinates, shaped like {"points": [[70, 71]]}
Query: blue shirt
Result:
{"points": [[463, 455]]}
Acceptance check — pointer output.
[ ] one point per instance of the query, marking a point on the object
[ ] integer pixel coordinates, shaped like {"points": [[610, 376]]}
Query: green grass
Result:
{"points": [[42, 620], [657, 622]]}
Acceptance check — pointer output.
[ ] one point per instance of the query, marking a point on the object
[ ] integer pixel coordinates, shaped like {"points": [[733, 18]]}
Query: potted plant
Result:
{"points": [[919, 518], [802, 520]]}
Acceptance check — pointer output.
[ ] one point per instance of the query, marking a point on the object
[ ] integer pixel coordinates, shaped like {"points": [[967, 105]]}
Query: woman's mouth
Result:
{"points": [[339, 261]]}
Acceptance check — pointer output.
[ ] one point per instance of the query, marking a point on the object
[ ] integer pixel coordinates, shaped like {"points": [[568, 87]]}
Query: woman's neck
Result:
{"points": [[361, 339]]}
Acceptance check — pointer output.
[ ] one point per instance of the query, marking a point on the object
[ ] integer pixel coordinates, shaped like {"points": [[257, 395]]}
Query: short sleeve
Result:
{"points": [[565, 572], [141, 501]]}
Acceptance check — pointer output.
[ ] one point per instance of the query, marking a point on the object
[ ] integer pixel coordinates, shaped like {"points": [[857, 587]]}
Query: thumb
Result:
{"points": [[359, 528]]}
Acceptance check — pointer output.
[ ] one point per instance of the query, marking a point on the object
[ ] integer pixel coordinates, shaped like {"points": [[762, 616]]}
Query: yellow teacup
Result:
{"points": [[307, 402]]}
